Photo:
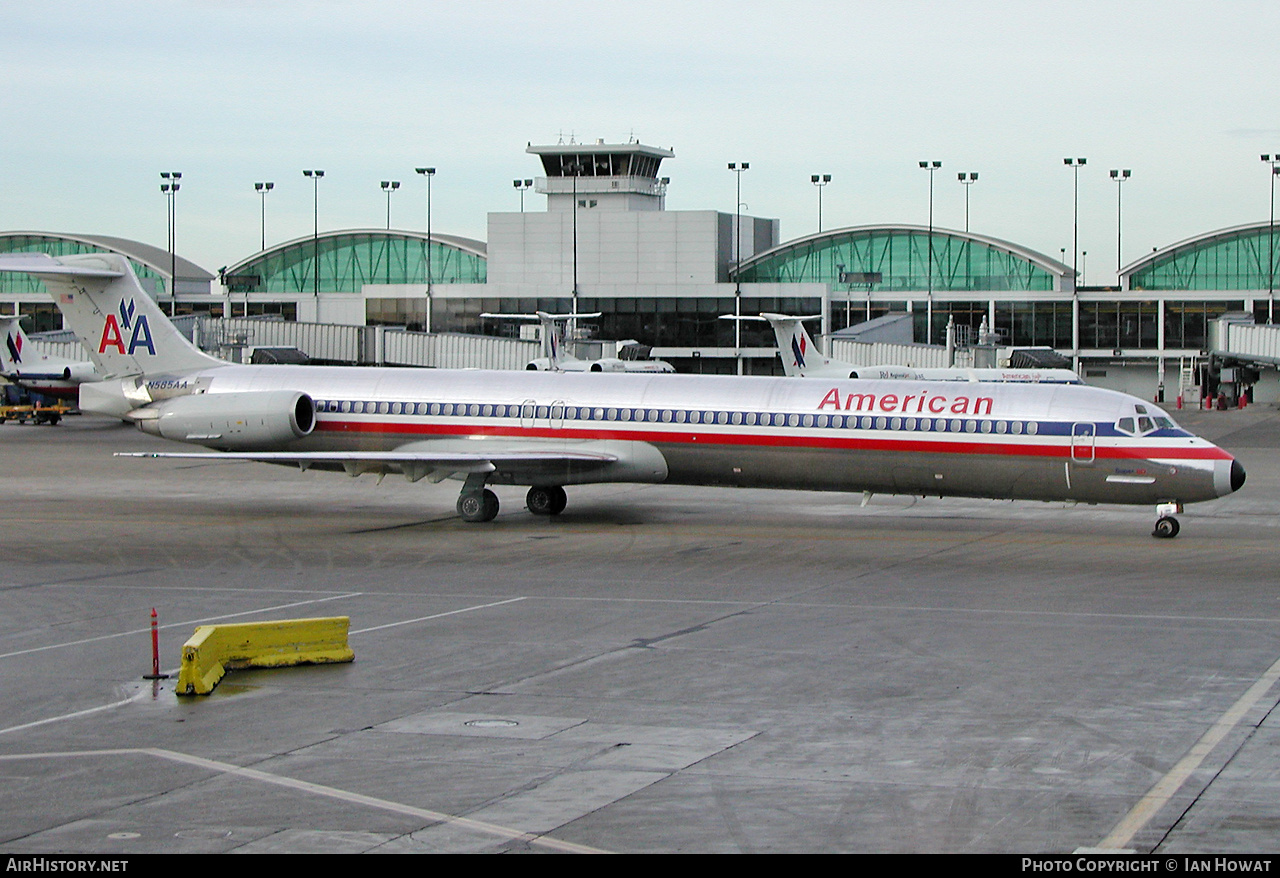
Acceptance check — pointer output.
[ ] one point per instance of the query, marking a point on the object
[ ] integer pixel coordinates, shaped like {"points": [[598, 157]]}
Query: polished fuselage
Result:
{"points": [[1042, 442]]}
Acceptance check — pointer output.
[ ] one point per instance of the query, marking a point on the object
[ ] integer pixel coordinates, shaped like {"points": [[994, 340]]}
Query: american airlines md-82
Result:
{"points": [[546, 430]]}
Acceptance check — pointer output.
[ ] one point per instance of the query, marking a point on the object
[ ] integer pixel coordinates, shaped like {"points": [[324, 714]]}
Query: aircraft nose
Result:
{"points": [[1237, 475], [1228, 476]]}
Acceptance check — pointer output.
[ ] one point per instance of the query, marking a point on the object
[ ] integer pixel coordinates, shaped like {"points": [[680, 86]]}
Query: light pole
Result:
{"points": [[389, 186], [428, 173], [574, 167], [170, 188], [967, 179], [820, 181], [1274, 161], [1119, 176], [315, 176], [932, 168], [738, 169], [521, 186], [1075, 165], [263, 189]]}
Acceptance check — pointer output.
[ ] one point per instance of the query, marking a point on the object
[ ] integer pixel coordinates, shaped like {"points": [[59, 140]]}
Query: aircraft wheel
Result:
{"points": [[478, 506], [546, 501], [1166, 528]]}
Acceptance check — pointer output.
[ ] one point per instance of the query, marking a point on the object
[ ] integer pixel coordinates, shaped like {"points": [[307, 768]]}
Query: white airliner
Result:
{"points": [[556, 359], [23, 365], [551, 429], [802, 359]]}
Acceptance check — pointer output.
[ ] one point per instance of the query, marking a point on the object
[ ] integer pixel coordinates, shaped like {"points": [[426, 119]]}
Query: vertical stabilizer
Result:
{"points": [[798, 352], [122, 328], [14, 349]]}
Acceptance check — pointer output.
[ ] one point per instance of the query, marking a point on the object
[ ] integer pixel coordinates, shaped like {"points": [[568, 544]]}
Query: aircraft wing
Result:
{"points": [[416, 462]]}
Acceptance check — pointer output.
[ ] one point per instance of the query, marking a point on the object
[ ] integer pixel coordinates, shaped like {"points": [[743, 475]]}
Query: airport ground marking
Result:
{"points": [[437, 616], [303, 786], [137, 696], [203, 621], [1160, 794]]}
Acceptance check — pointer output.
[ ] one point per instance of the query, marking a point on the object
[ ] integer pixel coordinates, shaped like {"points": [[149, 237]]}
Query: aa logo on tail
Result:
{"points": [[797, 348], [15, 347], [113, 331]]}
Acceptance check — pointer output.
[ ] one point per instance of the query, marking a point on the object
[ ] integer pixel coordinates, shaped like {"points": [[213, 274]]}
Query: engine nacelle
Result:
{"points": [[248, 421]]}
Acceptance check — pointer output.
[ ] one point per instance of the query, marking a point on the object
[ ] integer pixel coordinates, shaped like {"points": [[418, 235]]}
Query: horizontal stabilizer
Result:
{"points": [[44, 264]]}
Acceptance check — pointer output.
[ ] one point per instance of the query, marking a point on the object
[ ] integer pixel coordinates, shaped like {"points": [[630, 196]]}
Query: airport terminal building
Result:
{"points": [[607, 244]]}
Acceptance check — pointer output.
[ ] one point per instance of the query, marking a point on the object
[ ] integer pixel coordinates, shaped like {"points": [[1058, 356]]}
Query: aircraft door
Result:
{"points": [[528, 409], [1083, 443]]}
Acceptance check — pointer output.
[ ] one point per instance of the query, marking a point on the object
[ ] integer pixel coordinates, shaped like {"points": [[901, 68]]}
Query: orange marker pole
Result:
{"points": [[155, 651]]}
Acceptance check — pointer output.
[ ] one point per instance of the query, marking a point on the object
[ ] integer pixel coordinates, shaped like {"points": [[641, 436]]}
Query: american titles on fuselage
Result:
{"points": [[892, 403]]}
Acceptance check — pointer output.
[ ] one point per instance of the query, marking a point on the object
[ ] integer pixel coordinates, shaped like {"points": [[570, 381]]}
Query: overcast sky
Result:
{"points": [[99, 97]]}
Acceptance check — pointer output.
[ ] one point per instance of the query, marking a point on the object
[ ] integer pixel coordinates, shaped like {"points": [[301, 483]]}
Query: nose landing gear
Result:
{"points": [[1166, 525]]}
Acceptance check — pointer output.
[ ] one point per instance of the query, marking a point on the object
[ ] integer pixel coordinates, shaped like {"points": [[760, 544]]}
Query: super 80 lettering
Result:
{"points": [[911, 403]]}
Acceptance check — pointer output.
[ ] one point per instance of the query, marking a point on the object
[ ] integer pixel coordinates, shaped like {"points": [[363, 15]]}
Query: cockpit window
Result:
{"points": [[1145, 422]]}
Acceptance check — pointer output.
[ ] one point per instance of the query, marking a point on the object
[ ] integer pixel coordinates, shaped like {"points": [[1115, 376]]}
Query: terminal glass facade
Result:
{"points": [[897, 260], [1035, 324], [1186, 323], [1242, 260], [349, 261]]}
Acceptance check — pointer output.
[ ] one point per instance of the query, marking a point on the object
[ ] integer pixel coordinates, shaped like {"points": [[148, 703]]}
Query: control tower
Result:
{"points": [[608, 176], [606, 231]]}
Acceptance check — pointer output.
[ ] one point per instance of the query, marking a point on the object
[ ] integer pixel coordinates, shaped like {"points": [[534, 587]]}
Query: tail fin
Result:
{"points": [[15, 344], [795, 347], [121, 327], [552, 333]]}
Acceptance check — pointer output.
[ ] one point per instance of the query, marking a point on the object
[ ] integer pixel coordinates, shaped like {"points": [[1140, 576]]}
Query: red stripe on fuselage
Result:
{"points": [[1041, 448]]}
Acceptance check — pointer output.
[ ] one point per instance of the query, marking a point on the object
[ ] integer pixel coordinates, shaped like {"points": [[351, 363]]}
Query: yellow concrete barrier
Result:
{"points": [[215, 649]]}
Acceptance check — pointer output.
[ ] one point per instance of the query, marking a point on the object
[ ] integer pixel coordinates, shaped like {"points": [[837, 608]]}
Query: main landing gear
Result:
{"points": [[549, 500], [478, 503], [1166, 525]]}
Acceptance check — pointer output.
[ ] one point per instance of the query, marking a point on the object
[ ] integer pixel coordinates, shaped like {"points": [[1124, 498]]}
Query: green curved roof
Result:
{"points": [[351, 258], [152, 264], [1235, 258], [896, 258]]}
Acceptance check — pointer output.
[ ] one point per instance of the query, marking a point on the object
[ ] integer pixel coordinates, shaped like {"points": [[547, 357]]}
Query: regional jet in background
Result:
{"points": [[23, 365], [547, 430], [802, 359], [556, 359]]}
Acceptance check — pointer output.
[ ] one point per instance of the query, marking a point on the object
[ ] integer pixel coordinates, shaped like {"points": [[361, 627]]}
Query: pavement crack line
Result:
{"points": [[1165, 788], [1212, 780]]}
